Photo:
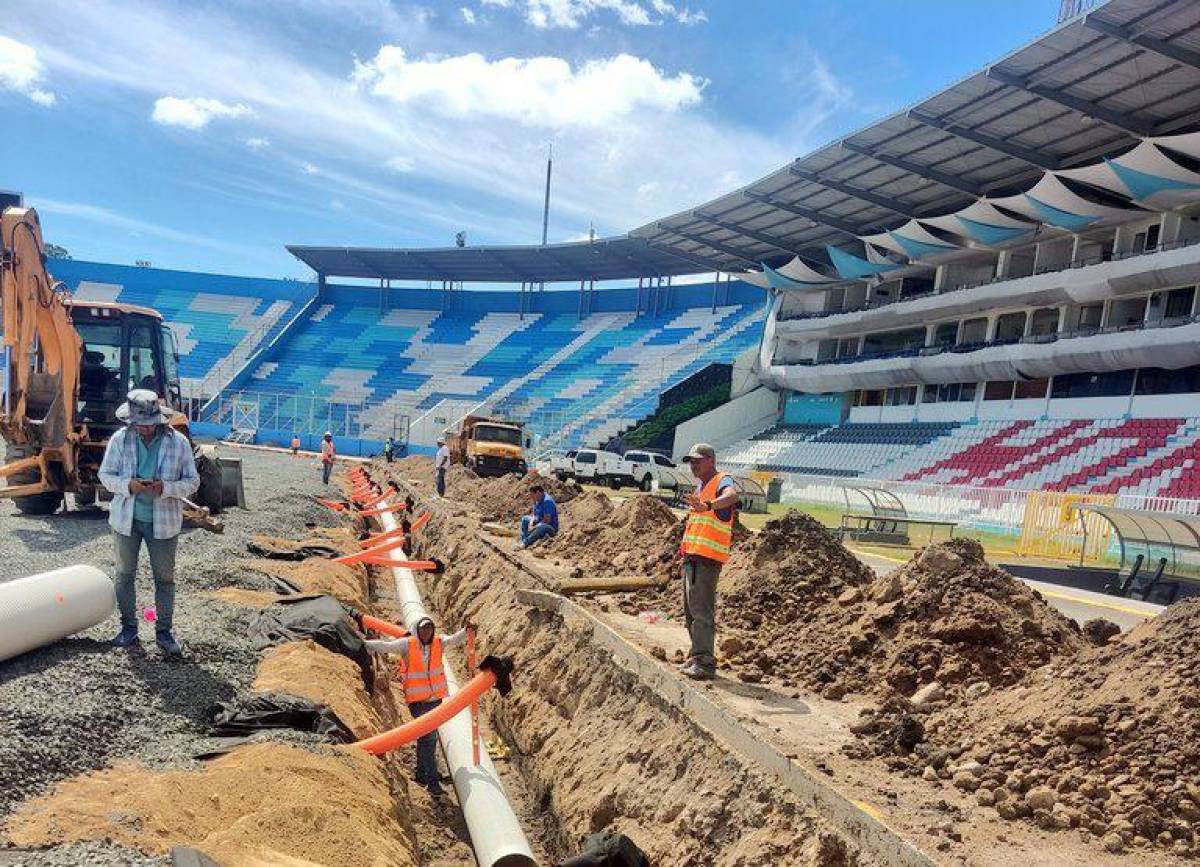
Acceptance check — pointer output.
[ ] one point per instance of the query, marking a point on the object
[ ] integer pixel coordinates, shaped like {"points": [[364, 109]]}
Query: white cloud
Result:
{"points": [[337, 204], [309, 168], [193, 113], [635, 13], [481, 170], [257, 144], [535, 91], [133, 226], [21, 70], [468, 15], [503, 4]]}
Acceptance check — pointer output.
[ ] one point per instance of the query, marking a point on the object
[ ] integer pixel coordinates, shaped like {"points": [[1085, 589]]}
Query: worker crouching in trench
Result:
{"points": [[422, 673]]}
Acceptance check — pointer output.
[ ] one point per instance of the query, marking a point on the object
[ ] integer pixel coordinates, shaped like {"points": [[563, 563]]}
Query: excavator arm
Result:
{"points": [[40, 359]]}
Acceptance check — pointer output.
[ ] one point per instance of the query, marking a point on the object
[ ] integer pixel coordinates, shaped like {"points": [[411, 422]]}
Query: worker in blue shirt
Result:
{"points": [[542, 521]]}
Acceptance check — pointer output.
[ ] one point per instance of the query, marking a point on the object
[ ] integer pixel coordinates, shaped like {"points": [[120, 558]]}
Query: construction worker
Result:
{"points": [[441, 462], [389, 449], [542, 520], [295, 446], [422, 671], [149, 469], [707, 539], [328, 453]]}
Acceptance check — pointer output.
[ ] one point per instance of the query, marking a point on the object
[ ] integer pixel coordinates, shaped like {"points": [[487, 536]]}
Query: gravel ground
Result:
{"points": [[81, 704]]}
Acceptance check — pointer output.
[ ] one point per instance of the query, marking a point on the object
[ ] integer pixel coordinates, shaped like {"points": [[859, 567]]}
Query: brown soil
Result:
{"points": [[1108, 742], [803, 609], [348, 583], [260, 804], [305, 669], [635, 538], [242, 596], [604, 750]]}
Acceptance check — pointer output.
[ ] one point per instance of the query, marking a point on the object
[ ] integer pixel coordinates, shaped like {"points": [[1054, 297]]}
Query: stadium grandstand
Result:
{"points": [[995, 288]]}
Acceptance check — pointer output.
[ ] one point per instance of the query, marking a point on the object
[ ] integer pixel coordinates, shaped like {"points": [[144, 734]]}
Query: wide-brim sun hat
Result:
{"points": [[142, 406]]}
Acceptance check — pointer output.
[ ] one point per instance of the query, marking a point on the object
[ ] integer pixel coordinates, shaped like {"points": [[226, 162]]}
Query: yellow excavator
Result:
{"points": [[65, 367]]}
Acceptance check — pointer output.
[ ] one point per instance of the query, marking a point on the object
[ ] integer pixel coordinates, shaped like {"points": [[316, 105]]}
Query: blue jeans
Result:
{"points": [[441, 482], [427, 768], [532, 533], [162, 565], [326, 469]]}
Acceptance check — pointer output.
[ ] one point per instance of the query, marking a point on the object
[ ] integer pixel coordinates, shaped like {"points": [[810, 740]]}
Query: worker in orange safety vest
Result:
{"points": [[422, 672], [706, 545]]}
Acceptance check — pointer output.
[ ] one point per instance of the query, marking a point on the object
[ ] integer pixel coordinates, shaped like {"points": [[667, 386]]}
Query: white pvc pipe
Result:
{"points": [[43, 608], [496, 834]]}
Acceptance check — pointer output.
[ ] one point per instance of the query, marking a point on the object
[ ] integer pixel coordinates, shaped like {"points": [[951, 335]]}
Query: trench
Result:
{"points": [[593, 748]]}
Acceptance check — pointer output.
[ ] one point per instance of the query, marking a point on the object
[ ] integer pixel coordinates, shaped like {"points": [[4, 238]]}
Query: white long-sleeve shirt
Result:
{"points": [[400, 645], [441, 460]]}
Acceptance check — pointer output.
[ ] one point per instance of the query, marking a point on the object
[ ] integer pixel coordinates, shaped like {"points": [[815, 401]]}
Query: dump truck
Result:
{"points": [[65, 367], [489, 446]]}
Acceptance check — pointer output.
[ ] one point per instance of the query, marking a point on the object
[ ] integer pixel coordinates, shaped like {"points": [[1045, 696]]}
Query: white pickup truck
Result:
{"points": [[642, 469]]}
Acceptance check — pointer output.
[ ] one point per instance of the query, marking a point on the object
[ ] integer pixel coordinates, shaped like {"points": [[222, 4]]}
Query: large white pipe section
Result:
{"points": [[43, 608], [496, 834]]}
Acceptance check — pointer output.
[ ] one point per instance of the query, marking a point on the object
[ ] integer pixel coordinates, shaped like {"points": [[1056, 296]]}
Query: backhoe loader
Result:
{"points": [[65, 367]]}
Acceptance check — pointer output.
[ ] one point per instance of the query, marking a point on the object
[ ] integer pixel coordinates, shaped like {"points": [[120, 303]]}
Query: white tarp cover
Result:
{"points": [[1051, 191], [1187, 143], [801, 272], [1148, 159]]}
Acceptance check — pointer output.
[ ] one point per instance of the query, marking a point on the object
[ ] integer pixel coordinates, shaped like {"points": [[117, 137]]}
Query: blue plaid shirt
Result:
{"points": [[176, 469]]}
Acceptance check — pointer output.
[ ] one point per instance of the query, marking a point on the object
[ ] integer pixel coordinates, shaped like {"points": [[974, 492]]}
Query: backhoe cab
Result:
{"points": [[65, 367]]}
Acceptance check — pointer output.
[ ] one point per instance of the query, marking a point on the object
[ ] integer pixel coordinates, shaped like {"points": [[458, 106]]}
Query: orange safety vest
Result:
{"points": [[704, 533], [328, 450], [421, 683]]}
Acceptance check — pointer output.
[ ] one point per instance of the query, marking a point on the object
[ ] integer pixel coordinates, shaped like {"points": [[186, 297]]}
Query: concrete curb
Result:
{"points": [[859, 820]]}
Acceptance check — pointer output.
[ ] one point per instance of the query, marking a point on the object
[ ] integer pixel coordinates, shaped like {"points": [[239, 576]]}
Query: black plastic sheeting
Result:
{"points": [[294, 551], [320, 618], [277, 710], [608, 849]]}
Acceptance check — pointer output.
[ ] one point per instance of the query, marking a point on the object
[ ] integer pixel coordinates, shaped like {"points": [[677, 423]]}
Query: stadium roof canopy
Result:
{"points": [[606, 259], [1092, 87]]}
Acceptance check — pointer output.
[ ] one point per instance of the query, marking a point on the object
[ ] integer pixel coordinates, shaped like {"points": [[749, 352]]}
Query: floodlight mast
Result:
{"points": [[546, 206]]}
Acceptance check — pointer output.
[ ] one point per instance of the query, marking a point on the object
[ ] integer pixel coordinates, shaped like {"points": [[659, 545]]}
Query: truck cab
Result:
{"points": [[490, 447]]}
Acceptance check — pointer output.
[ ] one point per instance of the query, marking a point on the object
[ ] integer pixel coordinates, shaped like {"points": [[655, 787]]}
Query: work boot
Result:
{"points": [[127, 637], [166, 641], [694, 671]]}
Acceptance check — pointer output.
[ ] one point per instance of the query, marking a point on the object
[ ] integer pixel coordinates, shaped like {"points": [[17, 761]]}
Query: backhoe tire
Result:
{"points": [[209, 494], [36, 504], [84, 497], [39, 504]]}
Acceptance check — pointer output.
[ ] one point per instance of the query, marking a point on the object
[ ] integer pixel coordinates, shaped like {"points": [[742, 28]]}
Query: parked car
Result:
{"points": [[642, 468]]}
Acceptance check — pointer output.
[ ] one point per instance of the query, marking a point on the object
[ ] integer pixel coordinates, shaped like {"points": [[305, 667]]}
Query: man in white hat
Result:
{"points": [[149, 469], [441, 462], [328, 453]]}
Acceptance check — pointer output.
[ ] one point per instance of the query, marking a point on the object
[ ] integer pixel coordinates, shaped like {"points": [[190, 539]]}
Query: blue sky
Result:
{"points": [[207, 134]]}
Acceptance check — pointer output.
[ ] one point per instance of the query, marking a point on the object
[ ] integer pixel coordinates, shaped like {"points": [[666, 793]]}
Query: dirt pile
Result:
{"points": [[637, 538], [260, 804], [348, 583], [504, 498], [946, 617], [310, 671], [1107, 742]]}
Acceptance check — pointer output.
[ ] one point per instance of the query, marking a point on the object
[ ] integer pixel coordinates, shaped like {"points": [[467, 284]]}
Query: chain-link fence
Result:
{"points": [[297, 414]]}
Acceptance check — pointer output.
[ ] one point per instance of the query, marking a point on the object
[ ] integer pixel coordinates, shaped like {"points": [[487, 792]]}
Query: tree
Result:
{"points": [[54, 251]]}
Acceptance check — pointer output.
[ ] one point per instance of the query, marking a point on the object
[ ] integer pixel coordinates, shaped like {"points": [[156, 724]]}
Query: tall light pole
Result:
{"points": [[546, 206]]}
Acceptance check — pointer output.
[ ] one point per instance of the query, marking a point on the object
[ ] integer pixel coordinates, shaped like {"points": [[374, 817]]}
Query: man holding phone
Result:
{"points": [[149, 468]]}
